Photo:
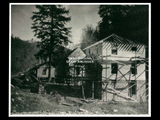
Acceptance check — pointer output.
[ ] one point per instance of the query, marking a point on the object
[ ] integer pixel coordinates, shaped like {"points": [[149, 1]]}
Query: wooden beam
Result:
{"points": [[141, 86], [122, 74], [140, 74], [119, 78], [112, 74], [119, 94], [127, 98], [115, 85], [146, 96], [35, 78], [144, 92], [129, 94]]}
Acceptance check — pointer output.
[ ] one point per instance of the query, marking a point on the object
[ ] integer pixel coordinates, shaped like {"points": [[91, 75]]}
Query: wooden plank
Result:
{"points": [[141, 86], [126, 98], [67, 104], [35, 78], [144, 92], [120, 94], [146, 96], [122, 74], [129, 93], [115, 85], [140, 74]]}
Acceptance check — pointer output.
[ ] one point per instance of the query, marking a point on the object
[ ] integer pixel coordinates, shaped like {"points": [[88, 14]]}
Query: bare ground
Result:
{"points": [[25, 103]]}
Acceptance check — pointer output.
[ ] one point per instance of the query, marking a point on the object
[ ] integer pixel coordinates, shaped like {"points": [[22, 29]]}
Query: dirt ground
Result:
{"points": [[23, 102]]}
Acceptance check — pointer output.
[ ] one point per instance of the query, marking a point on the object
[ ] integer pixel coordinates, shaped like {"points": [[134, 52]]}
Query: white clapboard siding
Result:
{"points": [[103, 49]]}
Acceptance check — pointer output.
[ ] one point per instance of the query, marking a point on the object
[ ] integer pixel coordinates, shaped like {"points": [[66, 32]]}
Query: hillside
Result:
{"points": [[22, 55]]}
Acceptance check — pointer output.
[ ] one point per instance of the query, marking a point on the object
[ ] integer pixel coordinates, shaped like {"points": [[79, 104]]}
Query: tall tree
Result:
{"points": [[130, 21], [49, 26]]}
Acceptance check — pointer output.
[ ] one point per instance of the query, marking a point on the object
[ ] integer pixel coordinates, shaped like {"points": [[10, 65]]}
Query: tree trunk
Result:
{"points": [[51, 44], [49, 71]]}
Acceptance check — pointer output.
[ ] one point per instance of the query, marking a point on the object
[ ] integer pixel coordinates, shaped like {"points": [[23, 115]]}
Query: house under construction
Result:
{"points": [[113, 68]]}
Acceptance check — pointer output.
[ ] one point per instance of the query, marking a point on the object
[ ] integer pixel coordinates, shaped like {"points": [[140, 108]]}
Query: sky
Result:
{"points": [[81, 15]]}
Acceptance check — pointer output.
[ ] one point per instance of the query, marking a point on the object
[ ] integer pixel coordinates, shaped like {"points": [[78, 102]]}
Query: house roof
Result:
{"points": [[122, 43], [39, 65], [77, 53]]}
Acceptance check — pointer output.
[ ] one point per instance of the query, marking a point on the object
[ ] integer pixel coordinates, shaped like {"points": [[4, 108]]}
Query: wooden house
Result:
{"points": [[123, 67], [58, 66], [40, 71]]}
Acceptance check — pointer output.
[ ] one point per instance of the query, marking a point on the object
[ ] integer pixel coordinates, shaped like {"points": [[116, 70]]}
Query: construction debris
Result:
{"points": [[82, 110], [119, 94], [89, 100], [115, 110], [67, 104]]}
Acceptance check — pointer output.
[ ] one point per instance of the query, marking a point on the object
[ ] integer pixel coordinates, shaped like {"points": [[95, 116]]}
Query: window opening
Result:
{"points": [[114, 67], [133, 69], [44, 71], [132, 90]]}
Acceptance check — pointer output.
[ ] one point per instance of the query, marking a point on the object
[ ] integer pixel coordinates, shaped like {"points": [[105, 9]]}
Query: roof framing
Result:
{"points": [[123, 43]]}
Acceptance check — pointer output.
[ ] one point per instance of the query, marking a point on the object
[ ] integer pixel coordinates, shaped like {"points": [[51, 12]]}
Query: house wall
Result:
{"points": [[140, 86], [104, 49], [107, 72], [40, 71]]}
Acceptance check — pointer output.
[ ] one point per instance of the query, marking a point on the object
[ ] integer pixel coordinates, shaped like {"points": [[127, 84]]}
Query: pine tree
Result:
{"points": [[49, 26]]}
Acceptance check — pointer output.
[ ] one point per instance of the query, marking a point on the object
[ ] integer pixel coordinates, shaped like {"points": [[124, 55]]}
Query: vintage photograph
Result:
{"points": [[79, 59]]}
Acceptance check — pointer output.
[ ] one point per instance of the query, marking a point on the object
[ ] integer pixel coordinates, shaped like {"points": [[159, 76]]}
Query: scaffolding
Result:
{"points": [[91, 81], [119, 91]]}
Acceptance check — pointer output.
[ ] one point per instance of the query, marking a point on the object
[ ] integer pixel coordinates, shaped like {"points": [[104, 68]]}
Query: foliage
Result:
{"points": [[130, 21], [89, 36], [49, 26], [22, 55]]}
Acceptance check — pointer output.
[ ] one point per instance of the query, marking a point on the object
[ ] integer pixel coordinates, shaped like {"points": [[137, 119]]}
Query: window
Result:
{"points": [[134, 48], [114, 50], [132, 90], [44, 71], [77, 70], [114, 67], [96, 49], [89, 51], [133, 69]]}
